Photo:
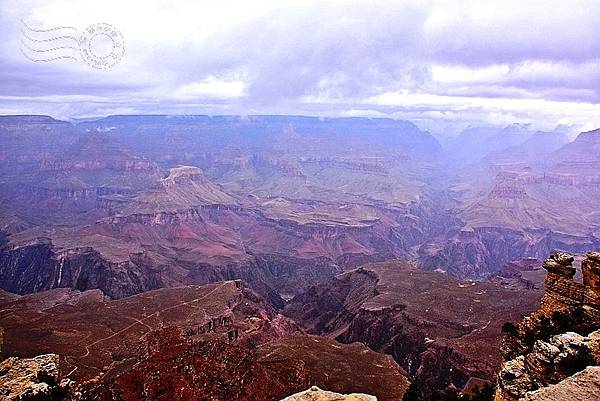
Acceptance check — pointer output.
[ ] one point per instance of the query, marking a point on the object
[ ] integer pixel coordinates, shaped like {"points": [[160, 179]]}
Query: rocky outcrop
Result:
{"points": [[32, 379], [582, 386], [172, 366], [91, 331], [563, 294], [221, 341], [316, 394], [549, 362], [591, 287], [560, 339]]}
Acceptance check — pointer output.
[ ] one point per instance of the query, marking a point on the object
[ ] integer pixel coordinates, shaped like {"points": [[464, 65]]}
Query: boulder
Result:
{"points": [[37, 378], [316, 394]]}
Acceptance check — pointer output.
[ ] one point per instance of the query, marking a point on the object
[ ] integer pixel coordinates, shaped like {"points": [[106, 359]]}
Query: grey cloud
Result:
{"points": [[337, 53]]}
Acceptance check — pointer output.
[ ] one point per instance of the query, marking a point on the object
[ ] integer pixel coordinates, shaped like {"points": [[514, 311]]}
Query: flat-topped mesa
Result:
{"points": [[182, 173], [562, 294], [591, 282]]}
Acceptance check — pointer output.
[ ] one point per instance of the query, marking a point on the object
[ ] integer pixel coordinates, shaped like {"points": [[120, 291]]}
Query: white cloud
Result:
{"points": [[543, 114], [212, 87]]}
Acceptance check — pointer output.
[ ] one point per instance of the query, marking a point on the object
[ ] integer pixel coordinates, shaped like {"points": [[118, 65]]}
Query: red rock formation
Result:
{"points": [[91, 332], [219, 342], [343, 368], [563, 294], [558, 340], [591, 281], [170, 366]]}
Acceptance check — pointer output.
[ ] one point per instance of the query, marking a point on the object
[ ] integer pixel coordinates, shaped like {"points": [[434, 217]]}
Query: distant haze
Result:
{"points": [[442, 64]]}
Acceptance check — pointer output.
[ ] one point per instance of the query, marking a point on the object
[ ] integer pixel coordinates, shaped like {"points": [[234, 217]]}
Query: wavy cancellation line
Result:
{"points": [[34, 44]]}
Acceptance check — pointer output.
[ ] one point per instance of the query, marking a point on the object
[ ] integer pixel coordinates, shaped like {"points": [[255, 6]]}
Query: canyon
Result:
{"points": [[132, 246], [226, 192]]}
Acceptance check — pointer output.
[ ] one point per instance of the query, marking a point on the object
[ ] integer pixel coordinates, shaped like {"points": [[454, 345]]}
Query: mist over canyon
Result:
{"points": [[132, 203], [349, 229]]}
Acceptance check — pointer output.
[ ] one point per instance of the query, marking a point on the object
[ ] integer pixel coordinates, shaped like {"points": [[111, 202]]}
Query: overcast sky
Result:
{"points": [[434, 62]]}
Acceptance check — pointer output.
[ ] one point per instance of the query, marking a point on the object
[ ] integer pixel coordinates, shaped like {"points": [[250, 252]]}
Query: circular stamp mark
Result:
{"points": [[92, 55]]}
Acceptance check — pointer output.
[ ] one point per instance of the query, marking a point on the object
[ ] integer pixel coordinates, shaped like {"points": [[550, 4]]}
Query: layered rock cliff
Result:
{"points": [[43, 264], [549, 350]]}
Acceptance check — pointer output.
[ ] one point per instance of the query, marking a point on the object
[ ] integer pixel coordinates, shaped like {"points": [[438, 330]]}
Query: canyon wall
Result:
{"points": [[444, 333]]}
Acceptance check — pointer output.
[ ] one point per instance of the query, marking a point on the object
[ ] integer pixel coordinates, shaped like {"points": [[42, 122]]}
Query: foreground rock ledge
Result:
{"points": [[582, 386], [34, 378], [554, 353], [316, 394]]}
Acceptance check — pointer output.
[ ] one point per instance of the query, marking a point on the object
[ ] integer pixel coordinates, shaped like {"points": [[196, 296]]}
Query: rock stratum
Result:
{"points": [[554, 353], [232, 193]]}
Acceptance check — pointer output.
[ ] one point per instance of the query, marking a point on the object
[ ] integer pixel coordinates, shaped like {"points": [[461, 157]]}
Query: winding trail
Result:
{"points": [[142, 321]]}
